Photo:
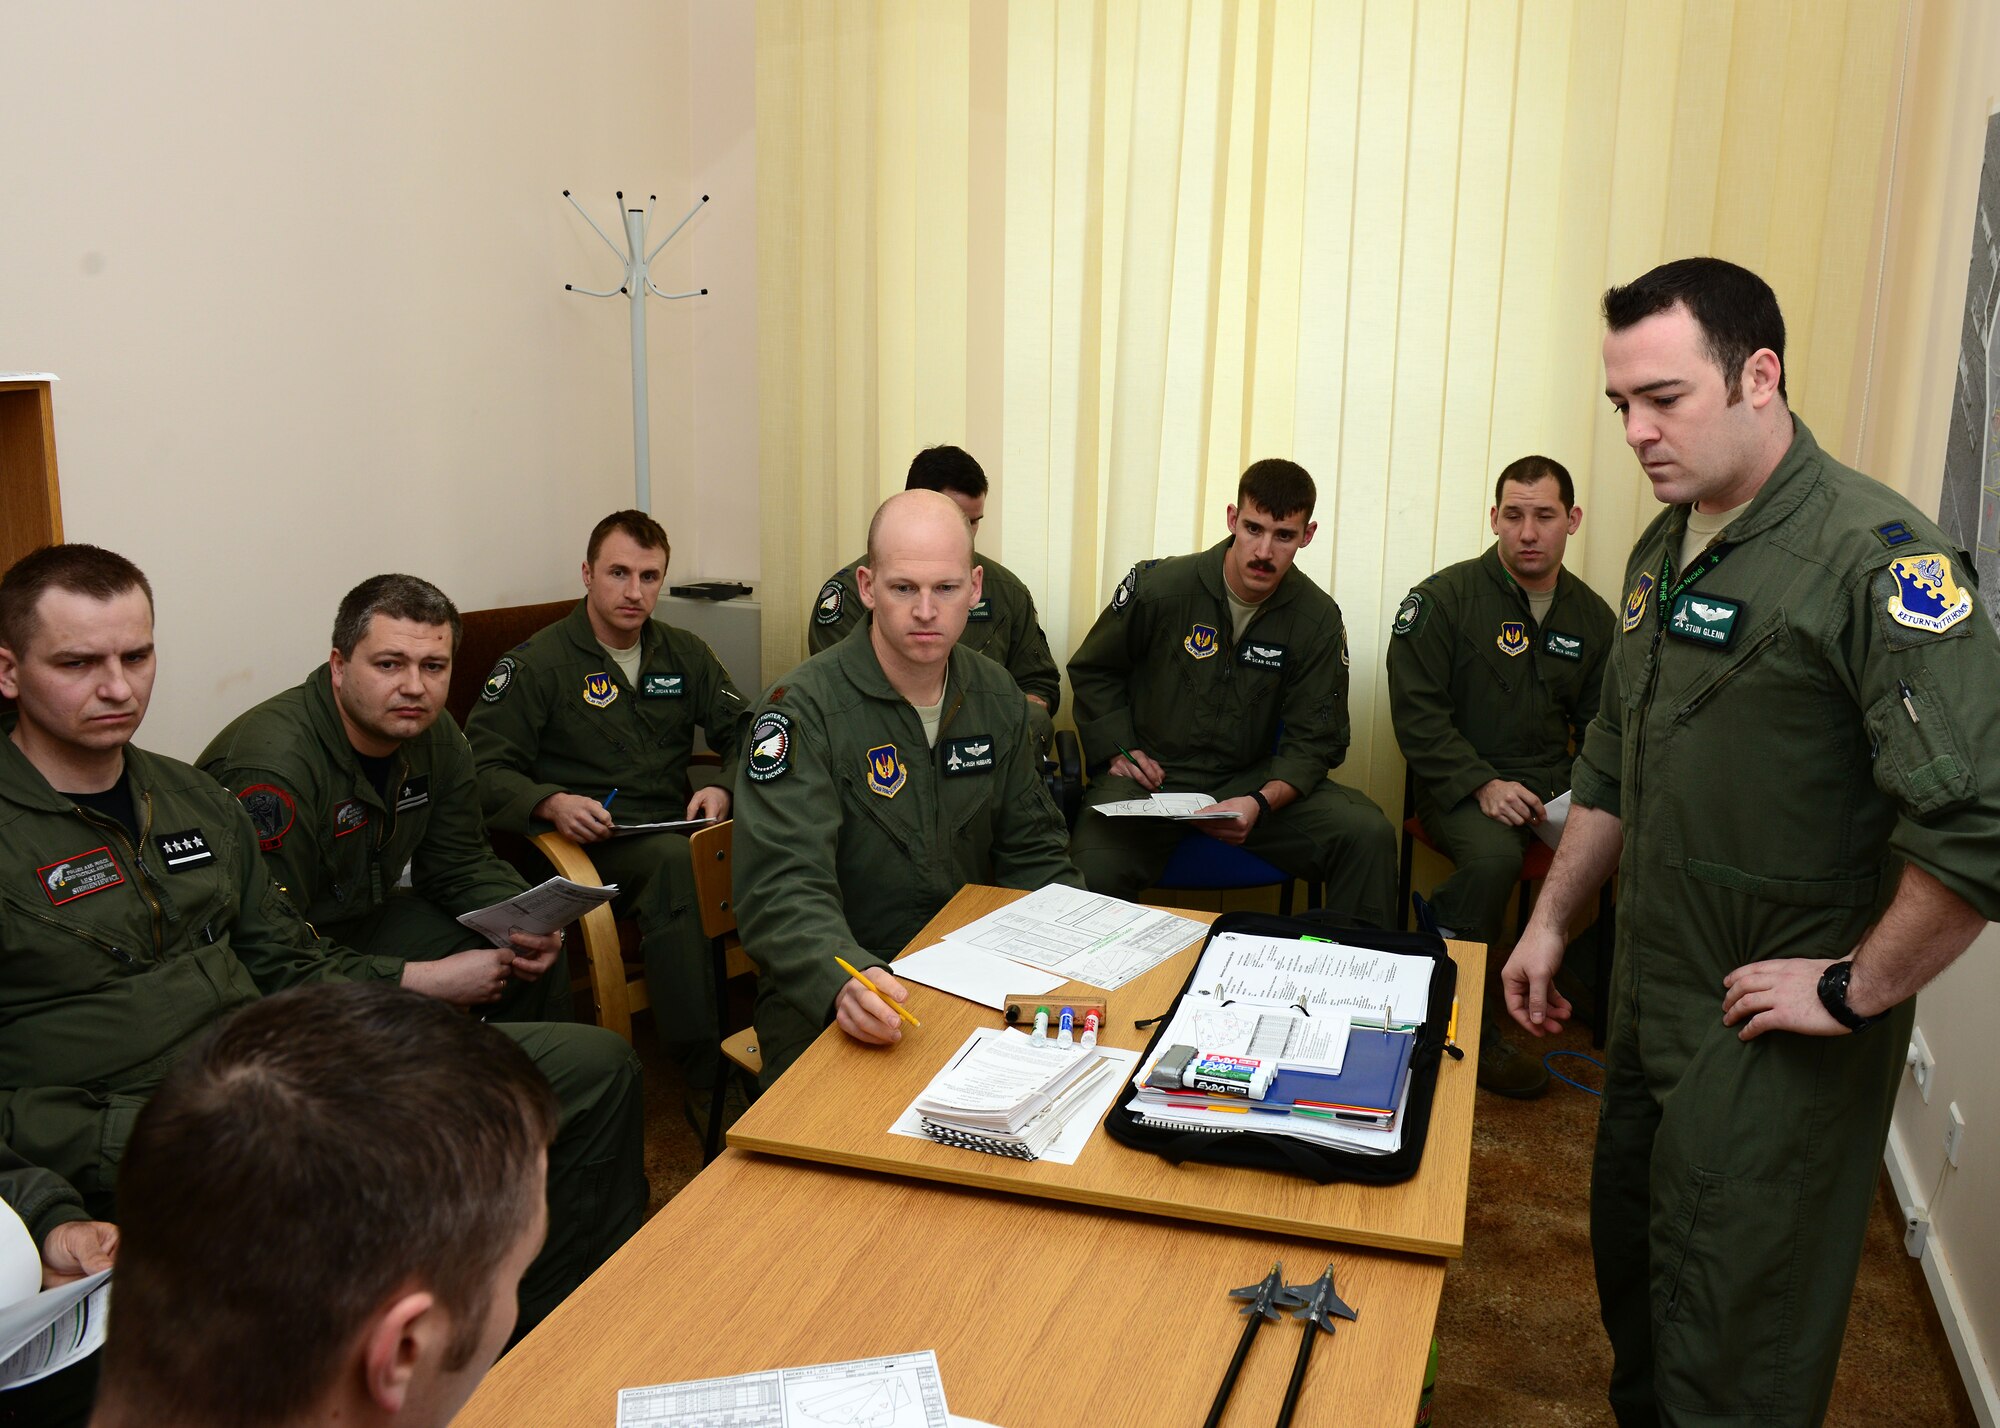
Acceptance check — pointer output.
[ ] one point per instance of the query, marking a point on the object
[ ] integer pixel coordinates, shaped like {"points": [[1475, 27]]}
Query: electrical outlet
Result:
{"points": [[1954, 1133], [1921, 1063]]}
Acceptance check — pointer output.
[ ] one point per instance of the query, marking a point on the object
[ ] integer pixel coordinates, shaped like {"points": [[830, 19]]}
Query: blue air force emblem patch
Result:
{"points": [[599, 689], [886, 774], [1200, 641], [1513, 637], [1927, 597], [1635, 603]]}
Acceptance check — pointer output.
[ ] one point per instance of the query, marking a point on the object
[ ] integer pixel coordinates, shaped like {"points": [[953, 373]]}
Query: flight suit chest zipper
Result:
{"points": [[143, 878], [70, 929], [1715, 686]]}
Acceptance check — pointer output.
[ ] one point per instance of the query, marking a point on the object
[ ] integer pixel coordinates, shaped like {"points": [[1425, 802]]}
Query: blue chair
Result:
{"points": [[1201, 864]]}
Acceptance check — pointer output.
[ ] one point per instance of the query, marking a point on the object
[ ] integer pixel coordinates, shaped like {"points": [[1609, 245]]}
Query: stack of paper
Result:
{"points": [[540, 910], [1008, 1093], [1081, 936]]}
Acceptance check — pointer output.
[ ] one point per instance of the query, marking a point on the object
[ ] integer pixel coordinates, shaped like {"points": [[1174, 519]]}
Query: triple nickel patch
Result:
{"points": [[1704, 619], [972, 755], [770, 747], [1409, 614], [498, 682], [81, 875], [831, 602]]}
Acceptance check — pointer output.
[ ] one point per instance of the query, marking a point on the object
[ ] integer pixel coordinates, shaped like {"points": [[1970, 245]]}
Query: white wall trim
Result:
{"points": [[1973, 1366]]}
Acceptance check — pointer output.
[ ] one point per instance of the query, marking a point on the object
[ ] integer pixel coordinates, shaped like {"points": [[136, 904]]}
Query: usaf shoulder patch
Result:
{"points": [[1562, 646], [831, 601], [498, 682], [1513, 638], [271, 810], [1200, 641], [80, 875], [663, 686], [1262, 655], [1127, 588], [968, 756], [1409, 614], [182, 851], [1635, 602], [599, 689], [770, 747], [886, 774], [1922, 594]]}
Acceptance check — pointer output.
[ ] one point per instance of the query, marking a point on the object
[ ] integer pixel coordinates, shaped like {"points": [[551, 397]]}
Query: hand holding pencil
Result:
{"points": [[869, 1007]]}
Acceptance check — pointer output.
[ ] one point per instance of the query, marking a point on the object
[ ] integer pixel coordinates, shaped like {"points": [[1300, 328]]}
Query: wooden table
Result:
{"points": [[836, 1103], [762, 1264]]}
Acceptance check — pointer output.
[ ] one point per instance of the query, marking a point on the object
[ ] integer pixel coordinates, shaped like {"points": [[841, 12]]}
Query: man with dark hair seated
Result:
{"points": [[1225, 673], [367, 808], [135, 911], [379, 1158]]}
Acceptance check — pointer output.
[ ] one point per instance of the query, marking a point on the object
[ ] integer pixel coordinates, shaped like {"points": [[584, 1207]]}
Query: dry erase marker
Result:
{"points": [[609, 796], [1063, 1028], [1041, 1021], [1090, 1019]]}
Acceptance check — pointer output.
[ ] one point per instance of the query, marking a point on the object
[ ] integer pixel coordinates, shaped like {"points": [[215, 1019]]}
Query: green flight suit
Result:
{"points": [[42, 1198], [556, 715], [122, 953], [1479, 691], [1158, 673], [1003, 626], [1755, 741], [851, 833], [339, 846]]}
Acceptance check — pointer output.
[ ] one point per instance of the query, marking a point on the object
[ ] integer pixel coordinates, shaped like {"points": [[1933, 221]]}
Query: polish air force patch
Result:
{"points": [[498, 681], [1635, 602], [770, 747], [271, 810], [1926, 596], [599, 689], [1200, 641], [832, 600], [1513, 638], [886, 774]]}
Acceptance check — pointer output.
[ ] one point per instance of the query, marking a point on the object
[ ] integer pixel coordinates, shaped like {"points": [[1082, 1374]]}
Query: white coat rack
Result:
{"points": [[637, 283]]}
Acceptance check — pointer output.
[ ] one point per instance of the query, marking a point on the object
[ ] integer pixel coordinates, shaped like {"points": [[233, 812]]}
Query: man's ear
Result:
{"points": [[397, 1341], [978, 581], [864, 585], [1306, 535], [10, 673], [1575, 519]]}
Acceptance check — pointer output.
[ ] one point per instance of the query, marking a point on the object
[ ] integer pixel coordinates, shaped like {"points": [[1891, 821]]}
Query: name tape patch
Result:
{"points": [[1704, 619], [663, 686], [81, 875], [1562, 646], [968, 756], [1261, 655]]}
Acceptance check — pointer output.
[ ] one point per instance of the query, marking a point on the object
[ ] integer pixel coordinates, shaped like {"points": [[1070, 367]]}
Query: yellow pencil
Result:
{"points": [[894, 1005], [1451, 1032]]}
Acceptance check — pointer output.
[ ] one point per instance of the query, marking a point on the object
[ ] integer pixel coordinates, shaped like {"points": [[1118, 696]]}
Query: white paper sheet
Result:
{"points": [[53, 1329], [974, 973], [894, 1391], [1185, 807], [1324, 976], [1083, 936], [1082, 1123], [1554, 813], [678, 825], [541, 909]]}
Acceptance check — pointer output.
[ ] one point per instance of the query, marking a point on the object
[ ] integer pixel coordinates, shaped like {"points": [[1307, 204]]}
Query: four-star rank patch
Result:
{"points": [[663, 686], [1562, 646], [968, 756], [81, 875], [1513, 638], [1261, 655], [770, 747], [181, 851], [1409, 614], [1200, 642], [832, 600], [498, 682], [599, 689], [349, 816], [886, 774], [1926, 596], [1635, 602], [271, 811]]}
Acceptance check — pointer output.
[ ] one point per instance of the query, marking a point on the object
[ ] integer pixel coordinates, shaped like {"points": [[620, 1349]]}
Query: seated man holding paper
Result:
{"points": [[608, 701], [357, 777], [1495, 665], [882, 775], [1225, 673]]}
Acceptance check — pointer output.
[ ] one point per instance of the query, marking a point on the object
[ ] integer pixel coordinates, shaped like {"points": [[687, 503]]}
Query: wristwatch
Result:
{"points": [[1833, 996], [1262, 802]]}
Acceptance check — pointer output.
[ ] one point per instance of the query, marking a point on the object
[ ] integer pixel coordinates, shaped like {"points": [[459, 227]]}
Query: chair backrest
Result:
{"points": [[488, 635], [1201, 864], [709, 851]]}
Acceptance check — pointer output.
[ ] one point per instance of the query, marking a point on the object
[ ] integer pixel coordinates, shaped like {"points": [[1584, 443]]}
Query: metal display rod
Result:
{"points": [[636, 285]]}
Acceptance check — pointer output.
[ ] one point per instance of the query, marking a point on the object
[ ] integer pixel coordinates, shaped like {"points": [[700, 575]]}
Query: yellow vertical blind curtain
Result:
{"points": [[1368, 236]]}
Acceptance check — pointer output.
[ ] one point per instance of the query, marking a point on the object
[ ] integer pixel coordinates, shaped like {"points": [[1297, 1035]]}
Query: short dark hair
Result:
{"points": [[351, 1138], [400, 597], [1530, 469], [80, 569], [1281, 487], [947, 469], [1735, 309], [649, 533]]}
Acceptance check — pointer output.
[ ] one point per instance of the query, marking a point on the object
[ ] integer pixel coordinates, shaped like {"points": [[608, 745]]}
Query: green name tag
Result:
{"points": [[968, 756], [1704, 619], [982, 611], [1563, 646], [663, 686]]}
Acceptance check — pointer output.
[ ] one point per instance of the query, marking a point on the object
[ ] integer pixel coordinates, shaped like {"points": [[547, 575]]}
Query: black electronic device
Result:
{"points": [[710, 590]]}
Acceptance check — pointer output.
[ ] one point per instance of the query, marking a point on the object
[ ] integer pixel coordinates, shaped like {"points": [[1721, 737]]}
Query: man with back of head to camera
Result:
{"points": [[1225, 673], [882, 776], [1494, 669], [1793, 771], [381, 1237]]}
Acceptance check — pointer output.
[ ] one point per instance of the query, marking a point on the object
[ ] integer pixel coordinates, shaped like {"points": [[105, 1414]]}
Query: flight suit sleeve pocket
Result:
{"points": [[1725, 1313], [1919, 761]]}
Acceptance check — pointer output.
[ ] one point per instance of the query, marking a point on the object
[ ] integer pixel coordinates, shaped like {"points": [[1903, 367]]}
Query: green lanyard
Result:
{"points": [[1708, 560]]}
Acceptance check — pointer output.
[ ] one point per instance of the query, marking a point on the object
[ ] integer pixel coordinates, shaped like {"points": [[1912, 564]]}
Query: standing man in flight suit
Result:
{"points": [[1494, 669], [356, 776], [1794, 771], [136, 913], [882, 776], [1199, 665], [1002, 625], [609, 700]]}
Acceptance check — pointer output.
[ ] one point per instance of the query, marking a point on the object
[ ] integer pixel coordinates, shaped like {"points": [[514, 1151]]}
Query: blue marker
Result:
{"points": [[1062, 1028], [609, 796]]}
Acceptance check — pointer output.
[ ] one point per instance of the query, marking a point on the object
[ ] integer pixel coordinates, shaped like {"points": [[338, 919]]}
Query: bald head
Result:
{"points": [[925, 526]]}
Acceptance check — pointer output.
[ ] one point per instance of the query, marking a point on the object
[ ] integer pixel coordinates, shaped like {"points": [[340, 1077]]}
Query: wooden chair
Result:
{"points": [[710, 849]]}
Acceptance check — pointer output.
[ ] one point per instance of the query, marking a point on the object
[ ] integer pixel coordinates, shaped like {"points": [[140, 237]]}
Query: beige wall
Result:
{"points": [[301, 272]]}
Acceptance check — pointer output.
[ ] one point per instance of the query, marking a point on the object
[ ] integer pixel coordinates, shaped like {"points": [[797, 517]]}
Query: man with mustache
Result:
{"points": [[1494, 670], [1225, 673], [610, 698], [358, 777]]}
